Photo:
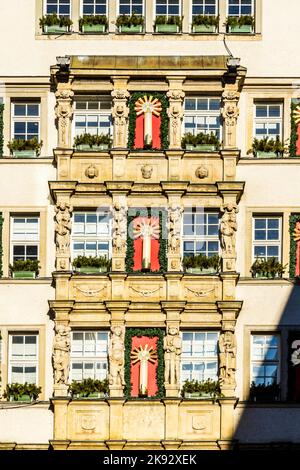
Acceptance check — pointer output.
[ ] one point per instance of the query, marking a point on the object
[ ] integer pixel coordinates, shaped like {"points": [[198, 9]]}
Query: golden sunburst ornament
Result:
{"points": [[296, 234], [147, 228], [148, 104], [296, 115], [143, 354]]}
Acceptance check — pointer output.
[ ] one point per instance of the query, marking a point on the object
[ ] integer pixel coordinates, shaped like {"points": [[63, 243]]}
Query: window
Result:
{"points": [[25, 238], [128, 7], [94, 7], [93, 116], [267, 237], [204, 7], [268, 120], [23, 358], [240, 7], [167, 7], [202, 115], [60, 7], [92, 233], [200, 232], [265, 359], [26, 120], [199, 359], [89, 350]]}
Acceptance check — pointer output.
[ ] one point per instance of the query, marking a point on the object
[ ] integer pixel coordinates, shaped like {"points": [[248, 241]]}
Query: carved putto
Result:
{"points": [[175, 213], [228, 228], [116, 357], [61, 359], [63, 212], [172, 348], [227, 357]]}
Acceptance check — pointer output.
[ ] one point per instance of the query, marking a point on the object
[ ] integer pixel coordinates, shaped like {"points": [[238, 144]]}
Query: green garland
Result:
{"points": [[1, 130], [294, 218], [164, 126], [294, 136], [162, 254], [1, 251], [150, 332]]}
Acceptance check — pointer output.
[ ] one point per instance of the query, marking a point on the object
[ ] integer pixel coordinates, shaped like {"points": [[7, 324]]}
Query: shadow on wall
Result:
{"points": [[271, 415]]}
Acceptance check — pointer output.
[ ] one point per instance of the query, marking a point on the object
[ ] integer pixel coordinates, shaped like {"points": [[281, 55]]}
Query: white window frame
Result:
{"points": [[88, 358], [23, 362], [25, 118], [26, 241], [130, 1], [198, 238], [198, 359], [106, 7], [93, 237], [267, 242], [45, 9], [167, 14], [252, 9], [92, 112], [265, 362], [207, 14], [199, 113], [268, 120]]}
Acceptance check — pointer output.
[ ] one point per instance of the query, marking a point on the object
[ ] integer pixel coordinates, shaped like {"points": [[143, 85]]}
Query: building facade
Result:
{"points": [[159, 142]]}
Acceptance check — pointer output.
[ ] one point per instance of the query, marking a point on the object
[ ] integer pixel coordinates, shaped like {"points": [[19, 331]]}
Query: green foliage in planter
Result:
{"points": [[242, 20], [201, 261], [294, 218], [53, 19], [93, 19], [150, 333], [267, 145], [127, 20], [1, 250], [262, 391], [88, 386], [16, 390], [97, 262], [267, 268], [1, 129], [164, 126], [89, 139], [294, 135], [25, 265], [20, 144], [172, 19], [199, 139], [206, 20], [207, 386]]}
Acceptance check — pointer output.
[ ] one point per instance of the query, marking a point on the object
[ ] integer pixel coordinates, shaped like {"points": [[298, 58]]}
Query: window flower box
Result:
{"points": [[201, 264], [198, 395], [24, 275], [261, 154], [201, 270], [90, 264], [240, 24], [20, 148], [203, 28], [93, 148], [201, 141], [92, 143], [24, 269], [92, 269], [167, 28], [202, 147], [23, 398], [133, 29], [24, 153], [54, 24], [205, 389], [246, 28], [89, 388], [81, 396], [56, 29], [26, 392], [93, 28]]}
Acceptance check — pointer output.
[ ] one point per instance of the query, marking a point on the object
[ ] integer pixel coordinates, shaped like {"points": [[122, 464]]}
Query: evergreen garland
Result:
{"points": [[294, 218], [162, 254], [149, 332], [164, 126], [1, 130], [1, 252], [294, 136]]}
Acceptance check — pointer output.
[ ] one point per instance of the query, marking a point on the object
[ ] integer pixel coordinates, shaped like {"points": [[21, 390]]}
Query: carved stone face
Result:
{"points": [[147, 171], [201, 172], [119, 110], [172, 331], [91, 172]]}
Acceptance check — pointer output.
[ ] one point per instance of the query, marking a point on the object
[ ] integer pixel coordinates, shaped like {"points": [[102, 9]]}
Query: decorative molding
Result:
{"points": [[145, 293], [200, 293], [90, 292]]}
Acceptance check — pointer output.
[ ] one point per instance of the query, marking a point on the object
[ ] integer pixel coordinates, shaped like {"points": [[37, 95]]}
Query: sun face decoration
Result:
{"points": [[296, 115], [148, 106]]}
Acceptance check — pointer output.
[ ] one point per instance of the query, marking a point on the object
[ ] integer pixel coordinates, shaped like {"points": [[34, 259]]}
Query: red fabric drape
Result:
{"points": [[135, 369]]}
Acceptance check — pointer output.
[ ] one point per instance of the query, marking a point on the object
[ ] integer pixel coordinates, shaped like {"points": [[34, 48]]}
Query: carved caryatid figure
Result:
{"points": [[172, 348], [175, 213], [119, 228], [63, 226], [116, 357], [61, 354], [230, 113], [120, 114], [64, 113], [227, 357], [228, 228], [175, 114]]}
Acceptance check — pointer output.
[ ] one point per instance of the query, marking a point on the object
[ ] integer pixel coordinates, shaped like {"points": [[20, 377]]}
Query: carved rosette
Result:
{"points": [[116, 377], [230, 113], [175, 113], [228, 228], [64, 114], [63, 225], [61, 359], [120, 114], [119, 235]]}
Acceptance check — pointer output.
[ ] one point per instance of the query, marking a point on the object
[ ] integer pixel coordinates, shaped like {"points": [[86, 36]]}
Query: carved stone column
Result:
{"points": [[63, 224], [64, 113], [230, 113], [228, 229], [120, 112], [175, 111]]}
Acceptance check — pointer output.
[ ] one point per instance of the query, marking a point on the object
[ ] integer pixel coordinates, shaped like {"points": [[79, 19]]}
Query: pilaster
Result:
{"points": [[120, 111], [175, 110]]}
